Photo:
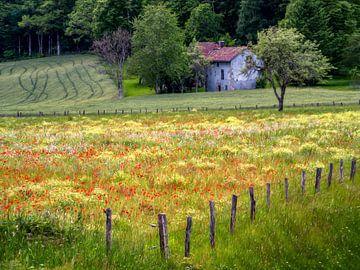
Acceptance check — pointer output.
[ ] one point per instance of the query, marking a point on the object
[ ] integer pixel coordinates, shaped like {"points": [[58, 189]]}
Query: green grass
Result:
{"points": [[78, 82], [309, 232]]}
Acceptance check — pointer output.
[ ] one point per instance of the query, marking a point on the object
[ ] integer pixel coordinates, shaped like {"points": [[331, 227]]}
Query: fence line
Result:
{"points": [[21, 114], [162, 221]]}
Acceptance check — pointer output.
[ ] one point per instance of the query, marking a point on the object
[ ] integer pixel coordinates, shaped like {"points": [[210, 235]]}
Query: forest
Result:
{"points": [[35, 28]]}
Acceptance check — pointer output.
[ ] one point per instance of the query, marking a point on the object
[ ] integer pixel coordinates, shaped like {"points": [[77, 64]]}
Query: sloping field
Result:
{"points": [[78, 82]]}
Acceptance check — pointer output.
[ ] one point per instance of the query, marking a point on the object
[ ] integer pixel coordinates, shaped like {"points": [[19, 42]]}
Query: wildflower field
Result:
{"points": [[57, 175]]}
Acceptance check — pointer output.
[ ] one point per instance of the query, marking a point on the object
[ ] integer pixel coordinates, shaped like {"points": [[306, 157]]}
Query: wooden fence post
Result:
{"points": [[233, 213], [303, 181], [353, 170], [108, 230], [163, 234], [331, 168], [317, 180], [341, 170], [286, 185], [212, 224], [268, 195], [187, 236], [252, 203]]}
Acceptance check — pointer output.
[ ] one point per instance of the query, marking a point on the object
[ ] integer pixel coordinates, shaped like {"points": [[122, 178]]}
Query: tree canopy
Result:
{"points": [[159, 55], [287, 57]]}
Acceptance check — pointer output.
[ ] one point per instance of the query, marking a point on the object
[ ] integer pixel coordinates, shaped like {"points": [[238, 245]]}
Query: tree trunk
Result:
{"points": [[19, 48], [157, 87], [29, 44], [49, 45], [281, 105], [120, 86], [281, 98], [196, 82], [41, 43], [58, 43]]}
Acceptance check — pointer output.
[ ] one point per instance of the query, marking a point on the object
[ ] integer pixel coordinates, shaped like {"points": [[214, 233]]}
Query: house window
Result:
{"points": [[222, 74], [217, 64], [226, 87]]}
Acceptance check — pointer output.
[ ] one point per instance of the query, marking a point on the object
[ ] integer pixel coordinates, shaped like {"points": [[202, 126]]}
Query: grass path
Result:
{"points": [[77, 82]]}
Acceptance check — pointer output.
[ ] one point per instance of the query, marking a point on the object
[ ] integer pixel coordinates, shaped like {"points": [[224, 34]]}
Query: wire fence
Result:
{"points": [[145, 110]]}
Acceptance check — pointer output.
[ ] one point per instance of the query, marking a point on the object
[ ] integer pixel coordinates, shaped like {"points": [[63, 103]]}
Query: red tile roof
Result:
{"points": [[216, 53]]}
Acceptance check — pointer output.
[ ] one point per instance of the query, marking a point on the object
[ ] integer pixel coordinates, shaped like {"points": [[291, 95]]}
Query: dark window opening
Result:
{"points": [[219, 88], [226, 87], [217, 64], [222, 74]]}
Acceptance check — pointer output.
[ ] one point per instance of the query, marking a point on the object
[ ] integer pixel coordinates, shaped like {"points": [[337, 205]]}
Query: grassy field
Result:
{"points": [[78, 82], [57, 175]]}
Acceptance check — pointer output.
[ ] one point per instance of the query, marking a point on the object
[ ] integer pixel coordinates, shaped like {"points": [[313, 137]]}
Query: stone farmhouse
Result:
{"points": [[226, 68]]}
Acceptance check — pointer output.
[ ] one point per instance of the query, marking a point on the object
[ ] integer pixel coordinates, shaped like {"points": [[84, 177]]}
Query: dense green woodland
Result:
{"points": [[30, 28]]}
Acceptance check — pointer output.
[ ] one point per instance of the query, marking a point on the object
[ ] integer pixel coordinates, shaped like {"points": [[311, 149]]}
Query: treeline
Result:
{"points": [[31, 28]]}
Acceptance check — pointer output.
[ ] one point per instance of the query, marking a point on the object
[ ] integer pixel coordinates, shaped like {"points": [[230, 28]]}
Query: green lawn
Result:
{"points": [[78, 82]]}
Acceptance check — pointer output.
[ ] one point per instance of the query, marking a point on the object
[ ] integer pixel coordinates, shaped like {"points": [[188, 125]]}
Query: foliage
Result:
{"points": [[114, 48], [203, 24], [80, 24], [198, 64], [159, 56], [328, 23], [256, 15], [287, 57]]}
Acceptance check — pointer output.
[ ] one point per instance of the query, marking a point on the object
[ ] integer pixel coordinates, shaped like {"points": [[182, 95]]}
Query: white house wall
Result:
{"points": [[234, 79]]}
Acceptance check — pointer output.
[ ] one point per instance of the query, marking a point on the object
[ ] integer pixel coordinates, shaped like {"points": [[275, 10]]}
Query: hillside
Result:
{"points": [[78, 82]]}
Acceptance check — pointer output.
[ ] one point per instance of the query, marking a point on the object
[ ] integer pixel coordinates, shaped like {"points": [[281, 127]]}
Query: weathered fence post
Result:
{"points": [[212, 224], [317, 180], [163, 234], [268, 195], [303, 181], [286, 185], [108, 230], [341, 170], [331, 168], [233, 213], [353, 170], [187, 236], [115, 111], [252, 203]]}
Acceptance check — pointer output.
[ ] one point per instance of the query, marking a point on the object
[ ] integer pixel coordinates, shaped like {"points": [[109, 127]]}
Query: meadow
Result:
{"points": [[59, 174], [79, 82]]}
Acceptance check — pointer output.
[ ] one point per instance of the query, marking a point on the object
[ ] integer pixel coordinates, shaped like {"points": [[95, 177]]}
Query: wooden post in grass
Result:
{"points": [[331, 168], [341, 172], [303, 181], [233, 213], [286, 185], [268, 195], [108, 230], [187, 236], [252, 203], [115, 111], [212, 224], [317, 180], [353, 170], [163, 234]]}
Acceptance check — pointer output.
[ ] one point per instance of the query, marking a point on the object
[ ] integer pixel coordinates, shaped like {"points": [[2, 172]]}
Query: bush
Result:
{"points": [[9, 54], [261, 81]]}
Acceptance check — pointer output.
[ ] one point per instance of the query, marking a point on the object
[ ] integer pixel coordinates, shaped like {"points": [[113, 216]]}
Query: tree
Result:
{"points": [[198, 64], [203, 24], [286, 57], [114, 49], [80, 23], [326, 22], [159, 55], [111, 14], [256, 15]]}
